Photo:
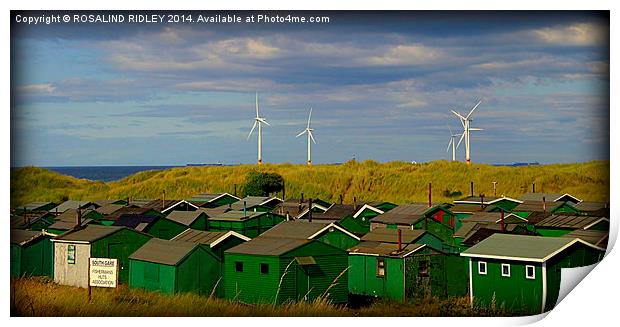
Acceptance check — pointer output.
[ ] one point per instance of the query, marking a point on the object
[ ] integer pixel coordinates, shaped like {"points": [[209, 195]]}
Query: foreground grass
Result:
{"points": [[42, 297], [398, 182]]}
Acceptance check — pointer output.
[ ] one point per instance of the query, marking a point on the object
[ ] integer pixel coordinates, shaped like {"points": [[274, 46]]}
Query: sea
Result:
{"points": [[104, 173]]}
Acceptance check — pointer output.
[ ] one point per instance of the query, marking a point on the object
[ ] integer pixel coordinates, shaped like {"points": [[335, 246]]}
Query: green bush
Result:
{"points": [[262, 184]]}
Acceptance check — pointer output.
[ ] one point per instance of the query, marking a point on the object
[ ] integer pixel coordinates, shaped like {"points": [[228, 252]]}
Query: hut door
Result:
{"points": [[118, 251], [303, 283]]}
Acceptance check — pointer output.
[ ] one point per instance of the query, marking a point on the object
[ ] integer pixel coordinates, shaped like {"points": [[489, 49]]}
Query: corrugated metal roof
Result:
{"points": [[484, 217], [568, 221], [160, 205], [205, 197], [131, 210], [334, 213], [66, 225], [389, 235], [465, 229], [384, 249], [184, 217], [166, 252], [211, 212], [292, 206], [24, 221], [467, 208], [549, 197], [294, 229], [518, 247], [199, 236], [140, 202], [591, 206], [270, 246], [89, 233], [23, 237], [34, 205], [477, 199], [102, 203], [594, 237], [133, 221], [237, 215], [532, 206]]}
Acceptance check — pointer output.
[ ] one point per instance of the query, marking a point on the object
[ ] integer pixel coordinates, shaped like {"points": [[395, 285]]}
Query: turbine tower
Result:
{"points": [[453, 143], [465, 121], [259, 121], [308, 131]]}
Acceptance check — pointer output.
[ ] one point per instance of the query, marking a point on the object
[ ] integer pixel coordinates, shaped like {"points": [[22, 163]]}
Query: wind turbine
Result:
{"points": [[453, 143], [308, 131], [259, 121], [465, 121]]}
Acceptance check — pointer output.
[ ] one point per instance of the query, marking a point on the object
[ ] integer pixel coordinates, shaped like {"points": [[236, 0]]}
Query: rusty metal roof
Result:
{"points": [[269, 246], [390, 235], [167, 252], [569, 221], [594, 237], [185, 217], [89, 233]]}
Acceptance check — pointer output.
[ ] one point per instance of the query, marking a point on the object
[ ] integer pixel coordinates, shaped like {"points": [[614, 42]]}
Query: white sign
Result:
{"points": [[103, 272]]}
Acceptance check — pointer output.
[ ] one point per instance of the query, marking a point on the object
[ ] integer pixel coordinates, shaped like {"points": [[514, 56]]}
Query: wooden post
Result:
{"points": [[430, 196], [88, 282], [503, 226]]}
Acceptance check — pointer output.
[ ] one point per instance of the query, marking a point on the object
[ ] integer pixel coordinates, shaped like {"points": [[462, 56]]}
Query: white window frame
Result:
{"points": [[480, 264], [527, 276], [502, 267]]}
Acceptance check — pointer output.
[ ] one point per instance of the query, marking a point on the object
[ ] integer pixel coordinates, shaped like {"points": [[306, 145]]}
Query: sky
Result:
{"points": [[381, 85]]}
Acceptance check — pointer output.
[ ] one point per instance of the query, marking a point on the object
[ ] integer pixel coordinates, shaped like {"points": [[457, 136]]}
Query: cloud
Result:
{"points": [[405, 54], [578, 34], [46, 88]]}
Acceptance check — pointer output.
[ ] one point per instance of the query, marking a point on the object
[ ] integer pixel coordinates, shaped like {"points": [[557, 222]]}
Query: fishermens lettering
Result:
{"points": [[103, 272]]}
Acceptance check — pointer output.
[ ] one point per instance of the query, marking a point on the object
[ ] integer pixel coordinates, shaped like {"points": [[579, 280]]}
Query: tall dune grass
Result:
{"points": [[397, 182]]}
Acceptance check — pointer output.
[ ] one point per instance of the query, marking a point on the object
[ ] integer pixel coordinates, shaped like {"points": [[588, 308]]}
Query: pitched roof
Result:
{"points": [[89, 233], [209, 197], [334, 212], [493, 218], [110, 208], [31, 206], [465, 229], [24, 221], [467, 208], [140, 202], [253, 201], [167, 252], [67, 225], [102, 203], [133, 221], [598, 207], [70, 215], [370, 207], [70, 204], [594, 237], [403, 214], [237, 215], [532, 206], [390, 235], [130, 210], [301, 229], [160, 205], [211, 212], [570, 221], [521, 247], [23, 237], [270, 246], [293, 206], [385, 249], [185, 217], [477, 200], [209, 238], [549, 197]]}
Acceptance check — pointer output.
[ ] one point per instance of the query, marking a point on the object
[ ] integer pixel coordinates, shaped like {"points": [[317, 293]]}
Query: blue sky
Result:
{"points": [[381, 85]]}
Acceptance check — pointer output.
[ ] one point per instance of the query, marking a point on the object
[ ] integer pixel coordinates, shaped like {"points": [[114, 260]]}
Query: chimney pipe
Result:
{"points": [[163, 200], [430, 195], [471, 186], [340, 198], [544, 205], [502, 226], [235, 193], [302, 197], [495, 189], [533, 187], [283, 191], [482, 200], [310, 210], [400, 239], [354, 203], [288, 216], [79, 218], [244, 209], [127, 200]]}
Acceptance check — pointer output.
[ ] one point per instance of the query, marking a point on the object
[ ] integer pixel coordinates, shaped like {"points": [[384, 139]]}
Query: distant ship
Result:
{"points": [[203, 164]]}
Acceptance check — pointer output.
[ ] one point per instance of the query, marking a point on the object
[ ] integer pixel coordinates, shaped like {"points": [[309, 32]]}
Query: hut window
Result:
{"points": [[530, 272], [380, 267], [423, 268], [238, 266], [71, 254], [505, 270], [482, 268], [264, 268]]}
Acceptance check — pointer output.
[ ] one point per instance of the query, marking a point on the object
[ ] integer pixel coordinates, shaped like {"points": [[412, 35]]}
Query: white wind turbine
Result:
{"points": [[259, 121], [453, 143], [465, 121], [308, 131]]}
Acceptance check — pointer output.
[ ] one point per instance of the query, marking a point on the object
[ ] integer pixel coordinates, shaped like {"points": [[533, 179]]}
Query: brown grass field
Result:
{"points": [[41, 297]]}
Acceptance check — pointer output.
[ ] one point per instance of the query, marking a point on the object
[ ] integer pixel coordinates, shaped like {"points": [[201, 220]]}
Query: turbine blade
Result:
{"points": [[449, 143], [252, 130], [474, 108], [309, 116], [302, 133], [257, 105], [460, 140], [476, 129], [312, 137], [262, 120], [450, 130], [458, 115]]}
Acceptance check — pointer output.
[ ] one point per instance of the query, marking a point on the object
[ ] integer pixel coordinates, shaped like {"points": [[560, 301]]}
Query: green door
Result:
{"points": [[303, 282], [117, 250]]}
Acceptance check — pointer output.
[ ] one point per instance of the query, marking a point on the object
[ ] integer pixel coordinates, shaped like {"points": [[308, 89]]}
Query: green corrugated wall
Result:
{"points": [[119, 245]]}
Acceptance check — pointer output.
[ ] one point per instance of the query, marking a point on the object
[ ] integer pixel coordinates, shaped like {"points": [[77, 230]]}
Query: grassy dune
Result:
{"points": [[41, 297], [398, 182]]}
